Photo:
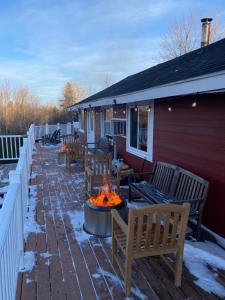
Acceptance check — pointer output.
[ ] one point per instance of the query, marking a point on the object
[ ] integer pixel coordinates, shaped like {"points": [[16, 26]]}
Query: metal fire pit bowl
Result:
{"points": [[97, 219]]}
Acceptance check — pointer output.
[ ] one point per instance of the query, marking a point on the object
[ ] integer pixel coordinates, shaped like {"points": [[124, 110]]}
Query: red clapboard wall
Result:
{"points": [[194, 138]]}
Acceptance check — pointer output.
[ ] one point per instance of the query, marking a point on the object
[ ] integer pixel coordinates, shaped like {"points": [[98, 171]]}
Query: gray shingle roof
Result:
{"points": [[199, 62]]}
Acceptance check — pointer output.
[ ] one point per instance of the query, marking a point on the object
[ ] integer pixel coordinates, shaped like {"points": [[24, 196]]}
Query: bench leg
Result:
{"points": [[198, 228], [129, 194]]}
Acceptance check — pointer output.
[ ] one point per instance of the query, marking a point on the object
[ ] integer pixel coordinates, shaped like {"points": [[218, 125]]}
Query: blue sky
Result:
{"points": [[45, 43]]}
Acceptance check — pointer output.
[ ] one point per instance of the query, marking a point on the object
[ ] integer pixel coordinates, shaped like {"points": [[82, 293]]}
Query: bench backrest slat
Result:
{"points": [[190, 186], [163, 176]]}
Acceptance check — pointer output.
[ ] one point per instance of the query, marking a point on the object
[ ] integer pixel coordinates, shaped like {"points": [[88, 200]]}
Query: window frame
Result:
{"points": [[148, 155]]}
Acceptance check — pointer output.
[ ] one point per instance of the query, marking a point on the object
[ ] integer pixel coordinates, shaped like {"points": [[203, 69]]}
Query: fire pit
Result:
{"points": [[97, 211]]}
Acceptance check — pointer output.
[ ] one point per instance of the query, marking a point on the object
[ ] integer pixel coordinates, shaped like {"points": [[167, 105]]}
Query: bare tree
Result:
{"points": [[107, 80], [20, 107], [184, 35], [73, 92]]}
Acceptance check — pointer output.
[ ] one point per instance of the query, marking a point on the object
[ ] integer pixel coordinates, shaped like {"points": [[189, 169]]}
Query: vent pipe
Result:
{"points": [[205, 31]]}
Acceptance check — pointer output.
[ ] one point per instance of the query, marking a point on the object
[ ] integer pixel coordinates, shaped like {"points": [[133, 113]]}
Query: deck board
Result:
{"points": [[69, 268]]}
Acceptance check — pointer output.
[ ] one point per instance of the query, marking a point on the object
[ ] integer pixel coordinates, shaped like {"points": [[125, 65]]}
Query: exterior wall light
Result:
{"points": [[194, 104], [124, 112], [136, 108], [169, 108], [149, 108]]}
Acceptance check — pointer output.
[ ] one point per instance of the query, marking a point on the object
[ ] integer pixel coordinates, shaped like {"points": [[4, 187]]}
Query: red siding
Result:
{"points": [[194, 138]]}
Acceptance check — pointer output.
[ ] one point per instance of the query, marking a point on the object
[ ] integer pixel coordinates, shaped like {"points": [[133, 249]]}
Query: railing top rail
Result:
{"points": [[12, 135]]}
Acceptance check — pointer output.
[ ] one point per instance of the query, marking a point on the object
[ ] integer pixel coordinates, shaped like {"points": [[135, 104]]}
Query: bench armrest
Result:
{"points": [[123, 226], [188, 200], [133, 175]]}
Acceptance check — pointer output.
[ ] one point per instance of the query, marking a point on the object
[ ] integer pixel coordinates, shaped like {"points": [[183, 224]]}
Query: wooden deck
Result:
{"points": [[70, 264]]}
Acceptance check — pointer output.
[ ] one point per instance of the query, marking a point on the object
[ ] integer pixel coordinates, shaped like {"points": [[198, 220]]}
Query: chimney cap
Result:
{"points": [[206, 20]]}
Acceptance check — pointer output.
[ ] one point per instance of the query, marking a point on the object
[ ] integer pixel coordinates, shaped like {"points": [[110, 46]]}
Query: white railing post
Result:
{"points": [[68, 128], [58, 126], [46, 129], [15, 178]]}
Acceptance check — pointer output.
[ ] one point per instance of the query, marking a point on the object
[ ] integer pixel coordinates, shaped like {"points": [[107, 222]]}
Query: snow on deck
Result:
{"points": [[63, 262]]}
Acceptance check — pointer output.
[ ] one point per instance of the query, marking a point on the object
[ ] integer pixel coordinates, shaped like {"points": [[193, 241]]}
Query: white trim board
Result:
{"points": [[206, 83], [145, 155]]}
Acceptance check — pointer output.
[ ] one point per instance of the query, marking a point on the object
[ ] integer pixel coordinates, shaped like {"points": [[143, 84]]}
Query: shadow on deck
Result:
{"points": [[63, 262]]}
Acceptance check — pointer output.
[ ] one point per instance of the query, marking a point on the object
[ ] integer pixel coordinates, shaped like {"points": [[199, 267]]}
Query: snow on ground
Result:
{"points": [[198, 257], [29, 261], [116, 282], [30, 222], [77, 221]]}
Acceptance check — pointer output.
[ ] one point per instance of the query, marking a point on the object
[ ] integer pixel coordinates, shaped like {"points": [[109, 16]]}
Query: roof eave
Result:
{"points": [[205, 83]]}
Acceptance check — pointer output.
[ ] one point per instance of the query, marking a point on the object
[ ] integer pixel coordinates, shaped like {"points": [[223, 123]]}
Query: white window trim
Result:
{"points": [[149, 154]]}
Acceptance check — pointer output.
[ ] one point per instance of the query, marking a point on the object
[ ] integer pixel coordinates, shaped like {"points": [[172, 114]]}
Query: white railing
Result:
{"points": [[115, 127], [9, 146], [12, 217], [67, 128]]}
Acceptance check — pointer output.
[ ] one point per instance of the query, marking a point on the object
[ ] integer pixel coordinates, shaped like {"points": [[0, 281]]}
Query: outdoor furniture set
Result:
{"points": [[53, 138], [174, 194]]}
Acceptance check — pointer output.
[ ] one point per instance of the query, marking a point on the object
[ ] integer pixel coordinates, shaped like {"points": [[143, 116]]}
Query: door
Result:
{"points": [[91, 127]]}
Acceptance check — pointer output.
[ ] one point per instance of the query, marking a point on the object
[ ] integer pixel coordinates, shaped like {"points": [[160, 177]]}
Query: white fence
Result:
{"points": [[9, 146], [67, 128], [12, 216]]}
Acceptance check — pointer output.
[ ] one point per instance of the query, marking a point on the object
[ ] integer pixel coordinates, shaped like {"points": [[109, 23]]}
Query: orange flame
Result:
{"points": [[106, 196]]}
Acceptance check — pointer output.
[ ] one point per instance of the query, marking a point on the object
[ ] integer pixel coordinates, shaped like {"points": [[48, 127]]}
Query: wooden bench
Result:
{"points": [[172, 184]]}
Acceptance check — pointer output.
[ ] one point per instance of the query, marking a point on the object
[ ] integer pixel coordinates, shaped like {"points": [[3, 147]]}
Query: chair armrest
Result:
{"points": [[123, 226]]}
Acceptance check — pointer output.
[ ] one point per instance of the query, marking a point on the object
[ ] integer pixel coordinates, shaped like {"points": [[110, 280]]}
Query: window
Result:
{"points": [[140, 132], [113, 123]]}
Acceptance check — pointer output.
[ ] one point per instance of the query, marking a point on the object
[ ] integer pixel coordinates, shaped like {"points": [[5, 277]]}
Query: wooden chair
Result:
{"points": [[97, 166], [74, 152], [68, 139], [156, 230]]}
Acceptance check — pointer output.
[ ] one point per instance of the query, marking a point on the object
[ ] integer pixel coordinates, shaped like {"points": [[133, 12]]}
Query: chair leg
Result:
{"points": [[127, 276], [178, 268], [114, 246]]}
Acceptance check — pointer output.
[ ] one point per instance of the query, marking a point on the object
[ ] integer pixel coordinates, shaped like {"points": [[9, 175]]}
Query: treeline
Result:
{"points": [[20, 107]]}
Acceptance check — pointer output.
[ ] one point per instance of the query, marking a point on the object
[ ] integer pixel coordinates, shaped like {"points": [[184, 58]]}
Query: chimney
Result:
{"points": [[205, 31]]}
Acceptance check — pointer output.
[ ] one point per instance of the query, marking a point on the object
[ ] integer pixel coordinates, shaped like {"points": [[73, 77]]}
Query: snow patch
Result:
{"points": [[29, 261], [34, 175], [46, 254], [31, 225], [77, 221], [116, 281], [96, 275], [28, 280], [198, 256]]}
